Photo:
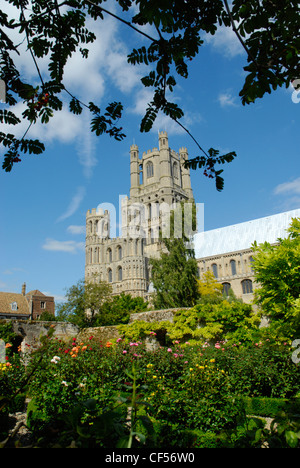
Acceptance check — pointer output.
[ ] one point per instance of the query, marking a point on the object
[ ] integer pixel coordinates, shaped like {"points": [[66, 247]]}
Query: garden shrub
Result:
{"points": [[261, 369], [230, 321], [187, 390], [269, 407]]}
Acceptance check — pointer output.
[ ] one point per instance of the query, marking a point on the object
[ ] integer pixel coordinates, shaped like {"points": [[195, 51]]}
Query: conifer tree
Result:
{"points": [[174, 274]]}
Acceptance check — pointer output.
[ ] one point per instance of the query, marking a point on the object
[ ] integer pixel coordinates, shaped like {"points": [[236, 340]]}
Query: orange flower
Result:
{"points": [[8, 345], [108, 344], [83, 348]]}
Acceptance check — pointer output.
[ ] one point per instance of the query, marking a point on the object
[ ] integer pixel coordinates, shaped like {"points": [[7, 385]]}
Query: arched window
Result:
{"points": [[175, 170], [152, 235], [149, 169], [226, 287], [119, 249], [215, 270], [120, 274], [247, 286], [233, 267], [109, 275], [109, 255]]}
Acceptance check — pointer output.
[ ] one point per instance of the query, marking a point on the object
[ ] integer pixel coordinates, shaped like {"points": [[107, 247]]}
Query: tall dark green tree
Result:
{"points": [[174, 274]]}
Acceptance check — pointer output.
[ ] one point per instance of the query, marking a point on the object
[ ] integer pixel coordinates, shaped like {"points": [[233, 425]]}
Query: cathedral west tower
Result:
{"points": [[157, 179]]}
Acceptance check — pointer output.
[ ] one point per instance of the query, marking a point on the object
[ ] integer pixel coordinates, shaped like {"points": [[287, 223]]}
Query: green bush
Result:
{"points": [[261, 369], [181, 391], [270, 407]]}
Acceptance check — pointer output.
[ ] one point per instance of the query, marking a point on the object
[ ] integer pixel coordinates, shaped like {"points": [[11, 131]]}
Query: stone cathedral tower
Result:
{"points": [[158, 180]]}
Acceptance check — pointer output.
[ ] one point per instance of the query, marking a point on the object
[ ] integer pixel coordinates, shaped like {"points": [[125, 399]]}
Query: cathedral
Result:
{"points": [[159, 181]]}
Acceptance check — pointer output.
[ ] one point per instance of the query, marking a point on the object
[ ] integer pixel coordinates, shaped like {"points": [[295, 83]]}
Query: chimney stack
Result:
{"points": [[23, 289]]}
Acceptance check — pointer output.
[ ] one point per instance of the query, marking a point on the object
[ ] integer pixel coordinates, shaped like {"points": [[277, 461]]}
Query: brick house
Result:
{"points": [[26, 306]]}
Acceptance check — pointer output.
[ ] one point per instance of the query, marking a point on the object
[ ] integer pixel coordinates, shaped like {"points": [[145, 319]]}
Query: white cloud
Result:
{"points": [[13, 270], [290, 191], [89, 79], [74, 204], [292, 187], [76, 229], [227, 100], [63, 246], [162, 121], [226, 42]]}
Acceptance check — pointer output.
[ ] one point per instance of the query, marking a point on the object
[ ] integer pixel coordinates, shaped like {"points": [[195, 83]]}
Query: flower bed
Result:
{"points": [[92, 393]]}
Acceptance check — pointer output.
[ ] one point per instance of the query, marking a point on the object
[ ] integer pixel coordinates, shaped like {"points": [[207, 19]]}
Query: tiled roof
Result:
{"points": [[6, 299], [35, 292]]}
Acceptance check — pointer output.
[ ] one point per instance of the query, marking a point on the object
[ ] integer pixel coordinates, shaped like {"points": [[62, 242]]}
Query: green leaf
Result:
{"points": [[75, 106], [98, 125], [291, 438], [46, 113], [123, 442], [148, 119], [8, 117], [141, 436]]}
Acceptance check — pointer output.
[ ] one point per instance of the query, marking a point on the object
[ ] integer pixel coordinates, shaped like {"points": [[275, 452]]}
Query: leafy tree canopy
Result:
{"points": [[91, 304], [117, 310], [84, 301], [268, 30], [277, 270], [209, 288]]}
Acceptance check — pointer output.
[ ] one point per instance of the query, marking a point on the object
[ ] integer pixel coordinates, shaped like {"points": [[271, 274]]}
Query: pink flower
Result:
{"points": [[118, 340], [217, 346], [133, 344], [169, 350], [124, 352]]}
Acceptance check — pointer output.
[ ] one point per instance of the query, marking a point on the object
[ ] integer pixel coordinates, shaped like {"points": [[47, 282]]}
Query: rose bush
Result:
{"points": [[191, 387]]}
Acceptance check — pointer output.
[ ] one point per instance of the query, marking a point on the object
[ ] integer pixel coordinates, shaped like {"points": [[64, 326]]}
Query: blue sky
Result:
{"points": [[43, 201]]}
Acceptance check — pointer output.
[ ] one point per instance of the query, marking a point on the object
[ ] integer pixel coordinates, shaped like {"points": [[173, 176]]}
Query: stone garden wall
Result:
{"points": [[30, 332]]}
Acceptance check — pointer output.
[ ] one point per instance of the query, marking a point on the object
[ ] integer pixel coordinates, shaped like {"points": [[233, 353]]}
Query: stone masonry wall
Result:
{"points": [[31, 331]]}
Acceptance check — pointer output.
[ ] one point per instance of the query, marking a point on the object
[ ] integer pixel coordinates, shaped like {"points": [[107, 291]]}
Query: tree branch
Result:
{"points": [[234, 28], [121, 19], [30, 50], [188, 132]]}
